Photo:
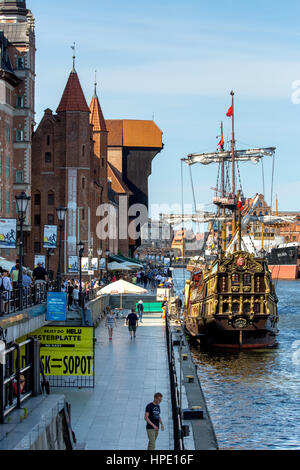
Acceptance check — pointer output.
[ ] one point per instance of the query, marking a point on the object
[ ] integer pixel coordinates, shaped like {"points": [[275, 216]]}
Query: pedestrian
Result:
{"points": [[39, 274], [5, 289], [153, 419], [110, 322], [76, 295], [132, 322], [178, 303], [140, 310], [70, 295]]}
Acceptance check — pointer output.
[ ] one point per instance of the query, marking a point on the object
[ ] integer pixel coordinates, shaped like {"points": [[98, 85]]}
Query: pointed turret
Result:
{"points": [[96, 117], [73, 98]]}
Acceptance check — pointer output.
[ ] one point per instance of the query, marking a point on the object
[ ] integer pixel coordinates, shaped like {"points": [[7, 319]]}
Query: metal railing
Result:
{"points": [[20, 299], [17, 363], [175, 393]]}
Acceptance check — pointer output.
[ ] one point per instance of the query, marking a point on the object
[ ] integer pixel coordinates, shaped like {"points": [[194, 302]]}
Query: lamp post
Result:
{"points": [[80, 254], [99, 253], [21, 205], [61, 214], [107, 252]]}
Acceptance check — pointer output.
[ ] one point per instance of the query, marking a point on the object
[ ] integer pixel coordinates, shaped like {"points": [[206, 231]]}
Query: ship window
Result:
{"points": [[247, 279], [235, 279], [246, 307], [235, 307], [225, 307]]}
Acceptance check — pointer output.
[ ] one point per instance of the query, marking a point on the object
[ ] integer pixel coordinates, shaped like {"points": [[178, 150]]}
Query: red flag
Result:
{"points": [[221, 143], [230, 112], [240, 205]]}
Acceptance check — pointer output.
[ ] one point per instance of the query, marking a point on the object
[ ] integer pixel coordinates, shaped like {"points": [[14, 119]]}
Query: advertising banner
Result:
{"points": [[50, 236], [39, 259], [56, 306], [94, 264], [73, 264], [65, 351], [84, 265], [8, 232], [102, 263]]}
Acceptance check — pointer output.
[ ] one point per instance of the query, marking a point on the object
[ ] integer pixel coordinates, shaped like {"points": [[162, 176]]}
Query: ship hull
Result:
{"points": [[284, 271], [220, 334]]}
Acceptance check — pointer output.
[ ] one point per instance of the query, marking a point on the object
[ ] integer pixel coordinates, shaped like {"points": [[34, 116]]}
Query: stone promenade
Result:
{"points": [[127, 374]]}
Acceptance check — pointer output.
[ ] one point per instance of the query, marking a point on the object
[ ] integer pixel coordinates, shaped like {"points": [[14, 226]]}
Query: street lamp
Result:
{"points": [[107, 253], [80, 254], [61, 214], [21, 205]]}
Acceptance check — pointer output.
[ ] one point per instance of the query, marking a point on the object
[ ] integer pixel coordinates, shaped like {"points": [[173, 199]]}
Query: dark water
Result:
{"points": [[254, 396]]}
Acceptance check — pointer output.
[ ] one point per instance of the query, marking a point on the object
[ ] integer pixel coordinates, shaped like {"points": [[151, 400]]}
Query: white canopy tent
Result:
{"points": [[122, 287]]}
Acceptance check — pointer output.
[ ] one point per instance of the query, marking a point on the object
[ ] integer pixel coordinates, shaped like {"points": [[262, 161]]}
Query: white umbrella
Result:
{"points": [[122, 287], [114, 266], [5, 264]]}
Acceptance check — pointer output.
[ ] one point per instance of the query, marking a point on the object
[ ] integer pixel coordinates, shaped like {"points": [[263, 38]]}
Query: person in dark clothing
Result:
{"points": [[153, 419], [132, 322], [70, 294], [39, 274], [178, 303]]}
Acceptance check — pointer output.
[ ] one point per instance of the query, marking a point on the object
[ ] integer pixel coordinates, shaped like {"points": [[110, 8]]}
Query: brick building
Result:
{"points": [[67, 172], [17, 27]]}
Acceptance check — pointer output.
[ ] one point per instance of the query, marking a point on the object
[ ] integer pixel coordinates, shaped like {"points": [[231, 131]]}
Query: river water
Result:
{"points": [[253, 397]]}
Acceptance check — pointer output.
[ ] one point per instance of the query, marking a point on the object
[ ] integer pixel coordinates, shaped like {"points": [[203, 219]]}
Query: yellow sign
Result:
{"points": [[65, 350]]}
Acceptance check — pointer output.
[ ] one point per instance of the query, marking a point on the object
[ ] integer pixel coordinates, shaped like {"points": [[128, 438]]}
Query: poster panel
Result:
{"points": [[73, 264], [50, 236], [39, 259], [8, 232]]}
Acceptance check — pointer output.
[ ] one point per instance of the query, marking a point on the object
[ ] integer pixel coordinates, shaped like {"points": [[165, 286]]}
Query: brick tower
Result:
{"points": [[66, 173]]}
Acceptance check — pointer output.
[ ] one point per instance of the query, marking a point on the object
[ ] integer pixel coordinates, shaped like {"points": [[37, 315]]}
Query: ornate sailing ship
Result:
{"points": [[231, 303]]}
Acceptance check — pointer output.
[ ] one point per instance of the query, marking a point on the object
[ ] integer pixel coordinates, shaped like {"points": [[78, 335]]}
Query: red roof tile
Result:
{"points": [[73, 98], [96, 117]]}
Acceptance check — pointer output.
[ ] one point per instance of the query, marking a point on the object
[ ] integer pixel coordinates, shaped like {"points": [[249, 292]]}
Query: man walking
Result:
{"points": [[132, 322], [153, 419], [140, 310]]}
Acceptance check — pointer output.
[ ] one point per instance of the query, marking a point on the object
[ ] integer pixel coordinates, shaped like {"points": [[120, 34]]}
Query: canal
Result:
{"points": [[254, 396]]}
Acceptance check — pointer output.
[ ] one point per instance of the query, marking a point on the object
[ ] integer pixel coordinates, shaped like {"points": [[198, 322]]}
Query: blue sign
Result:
{"points": [[56, 306]]}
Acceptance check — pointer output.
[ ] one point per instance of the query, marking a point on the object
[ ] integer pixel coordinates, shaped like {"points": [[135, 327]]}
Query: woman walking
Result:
{"points": [[110, 322]]}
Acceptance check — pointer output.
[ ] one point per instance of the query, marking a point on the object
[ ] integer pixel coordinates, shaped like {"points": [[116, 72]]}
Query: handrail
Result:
{"points": [[177, 421], [11, 370], [19, 299]]}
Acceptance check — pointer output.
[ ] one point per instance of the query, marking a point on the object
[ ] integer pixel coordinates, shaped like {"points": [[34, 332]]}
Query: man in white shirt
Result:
{"points": [[5, 289]]}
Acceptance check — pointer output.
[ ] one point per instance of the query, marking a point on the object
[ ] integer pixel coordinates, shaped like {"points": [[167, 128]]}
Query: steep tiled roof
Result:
{"points": [[73, 98], [96, 117], [117, 183]]}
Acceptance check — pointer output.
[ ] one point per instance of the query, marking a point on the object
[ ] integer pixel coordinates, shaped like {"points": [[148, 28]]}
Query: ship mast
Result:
{"points": [[233, 166]]}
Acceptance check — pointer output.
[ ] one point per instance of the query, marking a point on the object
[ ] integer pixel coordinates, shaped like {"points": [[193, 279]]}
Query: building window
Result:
{"points": [[37, 199], [37, 247], [83, 214], [50, 219], [20, 63], [48, 139], [7, 133], [37, 220], [20, 102], [83, 150], [7, 203], [7, 167], [19, 135], [50, 199], [19, 177], [48, 157], [83, 183]]}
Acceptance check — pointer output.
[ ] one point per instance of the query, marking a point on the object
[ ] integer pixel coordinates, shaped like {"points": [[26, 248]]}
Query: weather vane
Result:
{"points": [[74, 56]]}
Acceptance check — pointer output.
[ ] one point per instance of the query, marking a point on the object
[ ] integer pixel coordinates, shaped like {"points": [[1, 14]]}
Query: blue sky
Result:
{"points": [[179, 61]]}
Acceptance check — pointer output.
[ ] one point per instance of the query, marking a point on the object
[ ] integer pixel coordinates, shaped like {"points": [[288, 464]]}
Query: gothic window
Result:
{"points": [[20, 63], [48, 139], [50, 199], [19, 177], [19, 135], [37, 199], [20, 102], [48, 157]]}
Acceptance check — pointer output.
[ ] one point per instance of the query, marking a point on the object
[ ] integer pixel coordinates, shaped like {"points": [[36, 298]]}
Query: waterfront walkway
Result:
{"points": [[127, 374]]}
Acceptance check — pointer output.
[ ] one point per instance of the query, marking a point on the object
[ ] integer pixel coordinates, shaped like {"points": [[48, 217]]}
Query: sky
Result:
{"points": [[176, 62]]}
